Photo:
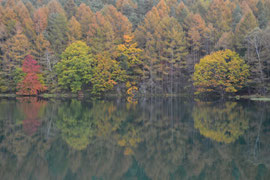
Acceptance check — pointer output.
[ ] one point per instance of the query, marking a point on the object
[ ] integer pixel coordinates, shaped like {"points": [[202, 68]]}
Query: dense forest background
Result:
{"points": [[146, 46]]}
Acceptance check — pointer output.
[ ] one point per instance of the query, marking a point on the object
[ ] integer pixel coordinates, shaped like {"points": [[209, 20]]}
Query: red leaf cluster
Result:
{"points": [[30, 85]]}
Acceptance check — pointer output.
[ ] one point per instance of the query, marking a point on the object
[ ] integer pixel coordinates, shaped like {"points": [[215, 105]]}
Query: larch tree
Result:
{"points": [[101, 36], [237, 15], [55, 7], [41, 45], [181, 13], [15, 50], [70, 8], [196, 33], [220, 15], [146, 38], [41, 19], [10, 20], [129, 9], [85, 16], [262, 14], [246, 25], [74, 30], [11, 3], [171, 49], [118, 21], [151, 20], [25, 20]]}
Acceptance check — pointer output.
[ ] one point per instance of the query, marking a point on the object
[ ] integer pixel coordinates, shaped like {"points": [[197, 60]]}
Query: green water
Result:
{"points": [[156, 138]]}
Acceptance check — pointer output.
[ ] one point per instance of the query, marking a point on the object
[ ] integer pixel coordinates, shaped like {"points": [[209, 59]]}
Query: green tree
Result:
{"points": [[75, 68], [56, 32], [221, 72], [237, 15]]}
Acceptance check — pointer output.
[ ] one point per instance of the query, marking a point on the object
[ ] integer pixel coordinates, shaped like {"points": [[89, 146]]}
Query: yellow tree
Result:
{"points": [[130, 56], [220, 72], [106, 74]]}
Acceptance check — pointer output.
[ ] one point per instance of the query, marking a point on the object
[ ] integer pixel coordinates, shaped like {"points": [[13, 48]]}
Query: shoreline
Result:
{"points": [[253, 97]]}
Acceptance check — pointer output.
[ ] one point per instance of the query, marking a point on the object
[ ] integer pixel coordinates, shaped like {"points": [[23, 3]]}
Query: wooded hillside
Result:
{"points": [[130, 46]]}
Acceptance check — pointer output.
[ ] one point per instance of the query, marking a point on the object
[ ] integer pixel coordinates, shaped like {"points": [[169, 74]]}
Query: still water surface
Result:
{"points": [[157, 138]]}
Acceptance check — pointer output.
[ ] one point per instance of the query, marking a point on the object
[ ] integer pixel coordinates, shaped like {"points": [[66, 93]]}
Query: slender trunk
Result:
{"points": [[260, 67]]}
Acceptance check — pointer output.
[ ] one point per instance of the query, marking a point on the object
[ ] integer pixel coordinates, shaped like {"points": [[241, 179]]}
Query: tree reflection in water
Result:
{"points": [[152, 139], [224, 122]]}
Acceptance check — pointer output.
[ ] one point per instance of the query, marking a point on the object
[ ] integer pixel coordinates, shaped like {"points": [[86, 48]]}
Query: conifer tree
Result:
{"points": [[74, 30], [70, 8], [56, 32], [85, 17]]}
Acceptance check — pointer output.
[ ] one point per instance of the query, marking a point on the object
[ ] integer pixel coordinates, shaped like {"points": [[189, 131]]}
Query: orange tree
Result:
{"points": [[221, 72]]}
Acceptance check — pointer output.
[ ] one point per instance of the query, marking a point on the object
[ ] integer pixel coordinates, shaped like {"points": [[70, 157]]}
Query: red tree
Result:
{"points": [[31, 84]]}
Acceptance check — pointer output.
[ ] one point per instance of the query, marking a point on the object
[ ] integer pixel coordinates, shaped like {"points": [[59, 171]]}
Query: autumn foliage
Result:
{"points": [[221, 71], [155, 44], [31, 84]]}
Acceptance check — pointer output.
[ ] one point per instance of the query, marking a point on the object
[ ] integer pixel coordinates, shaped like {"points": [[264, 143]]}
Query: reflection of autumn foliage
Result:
{"points": [[112, 122], [31, 108], [76, 124], [222, 123], [79, 125], [129, 140]]}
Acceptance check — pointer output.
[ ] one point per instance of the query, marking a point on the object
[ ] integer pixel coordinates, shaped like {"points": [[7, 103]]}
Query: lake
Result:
{"points": [[153, 138]]}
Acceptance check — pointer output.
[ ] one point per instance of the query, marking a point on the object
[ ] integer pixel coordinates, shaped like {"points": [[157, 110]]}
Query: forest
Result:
{"points": [[132, 47]]}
